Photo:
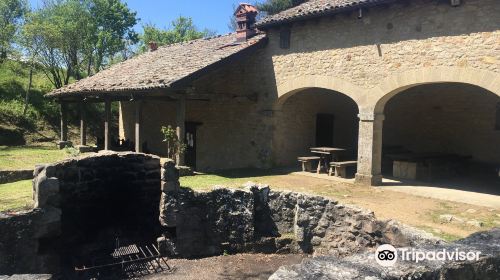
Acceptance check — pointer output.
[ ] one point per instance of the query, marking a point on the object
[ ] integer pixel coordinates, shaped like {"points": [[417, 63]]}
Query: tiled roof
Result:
{"points": [[162, 68], [316, 8]]}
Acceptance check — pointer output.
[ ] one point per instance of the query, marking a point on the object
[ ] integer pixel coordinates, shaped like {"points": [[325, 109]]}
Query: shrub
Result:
{"points": [[11, 111]]}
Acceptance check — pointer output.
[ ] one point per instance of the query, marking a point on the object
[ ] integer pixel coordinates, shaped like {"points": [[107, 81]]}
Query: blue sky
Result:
{"points": [[211, 14]]}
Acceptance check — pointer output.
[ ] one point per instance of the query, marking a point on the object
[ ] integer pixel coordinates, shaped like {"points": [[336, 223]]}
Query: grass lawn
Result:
{"points": [[231, 178], [26, 157], [16, 196]]}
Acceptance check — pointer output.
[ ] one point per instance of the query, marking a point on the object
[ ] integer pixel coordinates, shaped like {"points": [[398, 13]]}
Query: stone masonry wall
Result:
{"points": [[260, 220], [410, 35], [20, 250]]}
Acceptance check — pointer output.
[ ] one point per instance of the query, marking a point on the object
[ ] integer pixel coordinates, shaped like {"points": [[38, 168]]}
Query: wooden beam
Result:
{"points": [[107, 118], [138, 118], [83, 124], [180, 129], [64, 122]]}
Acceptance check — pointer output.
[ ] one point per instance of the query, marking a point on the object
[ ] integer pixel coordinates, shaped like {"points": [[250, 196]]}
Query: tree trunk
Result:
{"points": [[27, 97]]}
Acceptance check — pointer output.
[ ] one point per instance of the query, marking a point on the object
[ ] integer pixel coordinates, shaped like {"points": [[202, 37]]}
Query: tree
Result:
{"points": [[71, 37], [113, 31], [11, 15], [55, 36], [181, 30], [272, 7]]}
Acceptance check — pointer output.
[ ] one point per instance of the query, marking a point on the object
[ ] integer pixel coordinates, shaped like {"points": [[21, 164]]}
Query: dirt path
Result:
{"points": [[240, 266]]}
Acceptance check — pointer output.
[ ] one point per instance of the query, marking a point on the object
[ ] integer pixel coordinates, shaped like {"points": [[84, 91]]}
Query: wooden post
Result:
{"points": [[64, 123], [181, 120], [138, 117], [83, 125], [107, 118]]}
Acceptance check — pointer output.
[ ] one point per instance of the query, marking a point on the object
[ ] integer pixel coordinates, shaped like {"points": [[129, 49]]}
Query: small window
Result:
{"points": [[497, 122], [285, 38]]}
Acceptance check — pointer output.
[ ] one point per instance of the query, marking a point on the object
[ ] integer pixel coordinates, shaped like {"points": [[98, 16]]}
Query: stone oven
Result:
{"points": [[104, 200]]}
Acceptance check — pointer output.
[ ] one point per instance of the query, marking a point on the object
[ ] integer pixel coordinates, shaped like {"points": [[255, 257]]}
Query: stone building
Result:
{"points": [[422, 75]]}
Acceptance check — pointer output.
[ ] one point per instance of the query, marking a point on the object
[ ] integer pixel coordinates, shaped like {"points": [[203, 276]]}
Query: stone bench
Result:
{"points": [[307, 162], [341, 167]]}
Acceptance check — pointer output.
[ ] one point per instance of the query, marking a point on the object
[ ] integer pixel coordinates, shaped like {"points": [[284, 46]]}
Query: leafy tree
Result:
{"points": [[112, 31], [181, 30], [55, 37], [70, 37], [11, 15], [272, 7]]}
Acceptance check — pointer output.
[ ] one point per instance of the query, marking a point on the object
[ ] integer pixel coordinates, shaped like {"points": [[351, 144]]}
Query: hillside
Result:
{"points": [[40, 124]]}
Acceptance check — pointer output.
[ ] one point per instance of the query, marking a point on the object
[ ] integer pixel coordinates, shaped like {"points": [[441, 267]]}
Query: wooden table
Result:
{"points": [[327, 154]]}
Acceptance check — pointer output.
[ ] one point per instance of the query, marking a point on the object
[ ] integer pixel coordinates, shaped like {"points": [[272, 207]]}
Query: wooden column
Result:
{"points": [[83, 124], [138, 117], [107, 119], [180, 129], [64, 122]]}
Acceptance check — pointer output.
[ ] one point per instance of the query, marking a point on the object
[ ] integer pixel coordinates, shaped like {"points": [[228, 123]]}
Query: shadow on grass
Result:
{"points": [[19, 148]]}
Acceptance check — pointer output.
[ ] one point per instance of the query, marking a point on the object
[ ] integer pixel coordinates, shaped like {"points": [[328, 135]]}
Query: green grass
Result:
{"points": [[16, 196], [26, 157], [231, 178]]}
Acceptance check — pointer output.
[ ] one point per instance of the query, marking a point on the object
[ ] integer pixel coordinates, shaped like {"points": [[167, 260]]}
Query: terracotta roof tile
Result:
{"points": [[315, 8], [161, 68]]}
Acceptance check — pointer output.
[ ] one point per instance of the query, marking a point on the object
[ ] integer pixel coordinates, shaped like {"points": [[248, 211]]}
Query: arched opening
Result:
{"points": [[315, 117], [444, 134]]}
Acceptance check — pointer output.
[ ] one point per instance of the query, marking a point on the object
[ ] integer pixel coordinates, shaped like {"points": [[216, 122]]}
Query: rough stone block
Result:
{"points": [[170, 186], [46, 190], [64, 144]]}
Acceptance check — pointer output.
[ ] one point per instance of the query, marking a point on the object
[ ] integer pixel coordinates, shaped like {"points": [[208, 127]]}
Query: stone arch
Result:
{"points": [[292, 86], [395, 84]]}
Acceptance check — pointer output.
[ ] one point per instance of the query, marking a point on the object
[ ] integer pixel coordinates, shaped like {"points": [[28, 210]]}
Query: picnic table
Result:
{"points": [[327, 154]]}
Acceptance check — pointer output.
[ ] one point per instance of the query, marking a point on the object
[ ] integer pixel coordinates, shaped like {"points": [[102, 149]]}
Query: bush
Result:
{"points": [[11, 137], [11, 112]]}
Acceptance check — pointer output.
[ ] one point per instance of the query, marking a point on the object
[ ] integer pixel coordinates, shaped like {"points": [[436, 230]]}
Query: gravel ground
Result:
{"points": [[240, 266]]}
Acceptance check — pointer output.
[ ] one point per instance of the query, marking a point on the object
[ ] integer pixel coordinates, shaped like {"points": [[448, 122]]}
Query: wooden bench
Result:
{"points": [[341, 167], [307, 161]]}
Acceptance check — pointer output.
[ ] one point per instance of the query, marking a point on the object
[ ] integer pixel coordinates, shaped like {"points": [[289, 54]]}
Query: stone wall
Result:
{"points": [[260, 220], [20, 250], [8, 176]]}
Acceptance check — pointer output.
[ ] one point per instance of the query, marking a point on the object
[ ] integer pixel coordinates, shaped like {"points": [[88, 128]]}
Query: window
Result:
{"points": [[497, 122], [285, 38]]}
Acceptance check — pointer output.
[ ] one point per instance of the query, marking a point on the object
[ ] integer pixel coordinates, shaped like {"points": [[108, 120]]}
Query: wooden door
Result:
{"points": [[324, 130]]}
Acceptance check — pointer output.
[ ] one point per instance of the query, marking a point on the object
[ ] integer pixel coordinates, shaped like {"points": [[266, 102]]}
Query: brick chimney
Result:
{"points": [[153, 46], [245, 19]]}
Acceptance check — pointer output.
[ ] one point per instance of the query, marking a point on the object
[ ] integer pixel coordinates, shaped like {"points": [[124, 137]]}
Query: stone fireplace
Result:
{"points": [[104, 200]]}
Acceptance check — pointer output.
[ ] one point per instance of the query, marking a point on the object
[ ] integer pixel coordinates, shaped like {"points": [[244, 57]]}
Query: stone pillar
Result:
{"points": [[107, 118], [370, 149], [83, 125], [180, 129], [170, 188], [138, 117]]}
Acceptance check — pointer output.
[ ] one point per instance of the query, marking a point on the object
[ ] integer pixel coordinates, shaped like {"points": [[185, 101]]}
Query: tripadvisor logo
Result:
{"points": [[386, 255]]}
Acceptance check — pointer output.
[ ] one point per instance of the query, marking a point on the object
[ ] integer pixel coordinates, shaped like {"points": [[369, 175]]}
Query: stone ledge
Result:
{"points": [[10, 176]]}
